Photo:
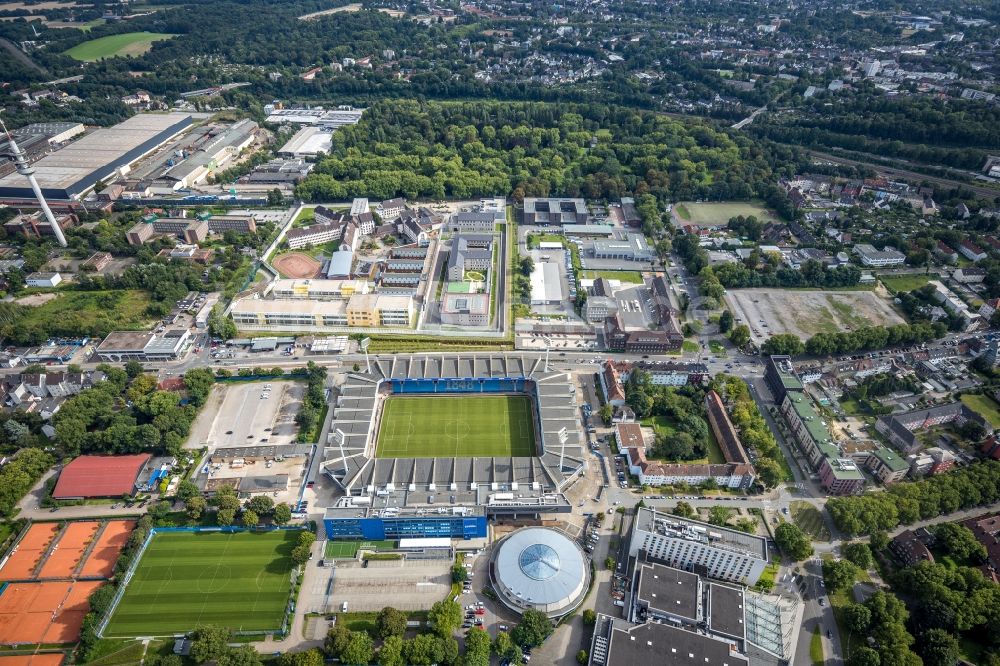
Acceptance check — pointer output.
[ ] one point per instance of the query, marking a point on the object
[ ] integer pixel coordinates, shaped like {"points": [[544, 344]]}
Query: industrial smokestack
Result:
{"points": [[23, 168]]}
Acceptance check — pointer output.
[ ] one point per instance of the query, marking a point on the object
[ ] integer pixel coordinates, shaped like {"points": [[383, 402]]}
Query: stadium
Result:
{"points": [[433, 445]]}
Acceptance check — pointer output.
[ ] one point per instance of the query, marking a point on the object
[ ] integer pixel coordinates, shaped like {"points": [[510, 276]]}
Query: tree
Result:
{"points": [[783, 344], [282, 514], [938, 648], [719, 515], [209, 642], [159, 510], [504, 648], [792, 541], [198, 382], [260, 504], [391, 652], [477, 647], [336, 641], [878, 541], [609, 563], [740, 335], [683, 509], [133, 369], [606, 413], [864, 656], [195, 506], [244, 655], [769, 472], [960, 542], [250, 518], [459, 573], [858, 618], [226, 517], [390, 622], [839, 574], [533, 628], [859, 553], [445, 616], [301, 554], [589, 617], [581, 657], [725, 321], [359, 649], [186, 490]]}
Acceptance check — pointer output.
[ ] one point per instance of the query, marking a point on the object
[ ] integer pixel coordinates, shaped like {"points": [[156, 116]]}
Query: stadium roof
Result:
{"points": [[541, 567], [99, 476]]}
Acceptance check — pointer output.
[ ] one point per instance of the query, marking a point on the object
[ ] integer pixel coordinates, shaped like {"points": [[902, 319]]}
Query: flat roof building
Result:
{"points": [[709, 550], [121, 346], [308, 141], [546, 286], [558, 211], [68, 173]]}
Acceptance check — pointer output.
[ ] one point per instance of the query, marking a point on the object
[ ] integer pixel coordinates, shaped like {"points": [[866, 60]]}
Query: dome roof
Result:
{"points": [[541, 568], [539, 561]]}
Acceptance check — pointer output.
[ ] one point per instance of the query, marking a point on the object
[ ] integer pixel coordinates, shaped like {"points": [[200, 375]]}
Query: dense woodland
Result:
{"points": [[460, 150]]}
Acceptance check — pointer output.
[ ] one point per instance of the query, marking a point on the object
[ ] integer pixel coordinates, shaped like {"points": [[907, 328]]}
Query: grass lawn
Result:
{"points": [[239, 580], [463, 426], [126, 44], [348, 550], [984, 405], [848, 639], [664, 426], [631, 277], [365, 621], [690, 346], [898, 283], [720, 212], [809, 520], [816, 647], [121, 652], [93, 313], [305, 216], [716, 348]]}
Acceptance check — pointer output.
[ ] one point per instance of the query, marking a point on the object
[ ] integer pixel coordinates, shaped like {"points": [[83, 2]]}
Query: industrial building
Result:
{"points": [[307, 142], [69, 173], [717, 552], [546, 285], [329, 119], [121, 346], [540, 569]]}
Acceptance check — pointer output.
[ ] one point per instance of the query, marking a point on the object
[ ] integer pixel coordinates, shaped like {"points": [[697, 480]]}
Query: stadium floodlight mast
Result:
{"points": [[548, 344], [364, 347], [25, 169]]}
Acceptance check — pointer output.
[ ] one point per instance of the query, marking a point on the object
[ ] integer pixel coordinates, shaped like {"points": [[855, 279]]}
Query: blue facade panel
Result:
{"points": [[377, 529]]}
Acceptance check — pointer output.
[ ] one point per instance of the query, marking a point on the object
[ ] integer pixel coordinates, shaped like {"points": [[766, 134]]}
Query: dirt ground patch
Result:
{"points": [[36, 299], [805, 313], [297, 265], [414, 585]]}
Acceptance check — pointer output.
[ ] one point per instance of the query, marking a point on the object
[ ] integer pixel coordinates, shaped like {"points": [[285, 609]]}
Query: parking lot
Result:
{"points": [[403, 584], [250, 413]]}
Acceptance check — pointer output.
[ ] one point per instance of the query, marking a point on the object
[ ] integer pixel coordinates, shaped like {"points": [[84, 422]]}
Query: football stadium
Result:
{"points": [[185, 578], [430, 446]]}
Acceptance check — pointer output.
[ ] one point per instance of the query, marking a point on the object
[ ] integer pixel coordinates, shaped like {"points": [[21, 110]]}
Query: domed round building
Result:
{"points": [[541, 569]]}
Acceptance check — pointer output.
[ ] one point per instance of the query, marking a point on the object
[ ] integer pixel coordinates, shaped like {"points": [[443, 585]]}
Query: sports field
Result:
{"points": [[125, 44], [463, 426], [239, 580]]}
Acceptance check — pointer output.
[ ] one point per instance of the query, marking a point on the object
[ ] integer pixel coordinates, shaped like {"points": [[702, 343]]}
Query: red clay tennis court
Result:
{"points": [[22, 563], [44, 612], [101, 562], [49, 659], [69, 550]]}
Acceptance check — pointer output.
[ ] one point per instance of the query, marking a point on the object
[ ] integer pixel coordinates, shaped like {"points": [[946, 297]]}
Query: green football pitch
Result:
{"points": [[238, 580], [456, 426]]}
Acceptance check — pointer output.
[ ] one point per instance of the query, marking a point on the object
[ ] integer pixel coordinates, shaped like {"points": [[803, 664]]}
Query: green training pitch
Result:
{"points": [[125, 44], [239, 580], [456, 426]]}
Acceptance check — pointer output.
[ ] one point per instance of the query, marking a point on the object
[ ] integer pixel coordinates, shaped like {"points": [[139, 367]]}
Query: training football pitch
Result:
{"points": [[463, 426], [239, 580]]}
